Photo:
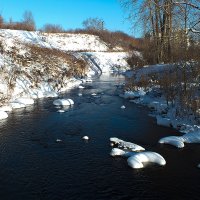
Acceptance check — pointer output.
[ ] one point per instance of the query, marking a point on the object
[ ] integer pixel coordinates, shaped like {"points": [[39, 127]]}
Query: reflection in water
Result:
{"points": [[35, 166]]}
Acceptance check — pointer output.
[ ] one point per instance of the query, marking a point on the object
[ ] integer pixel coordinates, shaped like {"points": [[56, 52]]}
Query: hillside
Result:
{"points": [[36, 65]]}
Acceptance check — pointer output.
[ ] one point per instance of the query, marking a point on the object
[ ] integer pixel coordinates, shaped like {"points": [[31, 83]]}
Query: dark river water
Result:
{"points": [[34, 166]]}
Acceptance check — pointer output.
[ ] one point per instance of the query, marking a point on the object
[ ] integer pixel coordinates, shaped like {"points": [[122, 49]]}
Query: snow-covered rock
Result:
{"points": [[124, 144], [133, 162], [3, 115], [173, 140], [61, 111], [25, 101], [6, 108], [137, 160], [123, 107], [70, 101], [63, 102], [85, 137], [16, 105], [178, 141], [134, 94], [81, 87], [117, 152]]}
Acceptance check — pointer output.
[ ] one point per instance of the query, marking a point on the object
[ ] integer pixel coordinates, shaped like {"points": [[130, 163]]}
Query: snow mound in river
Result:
{"points": [[178, 141], [124, 144], [136, 161], [63, 102], [3, 115]]}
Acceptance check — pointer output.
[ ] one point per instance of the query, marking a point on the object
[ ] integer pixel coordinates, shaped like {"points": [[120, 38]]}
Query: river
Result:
{"points": [[34, 166]]}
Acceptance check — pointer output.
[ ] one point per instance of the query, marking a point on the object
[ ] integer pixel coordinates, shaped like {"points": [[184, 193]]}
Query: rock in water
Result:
{"points": [[85, 138]]}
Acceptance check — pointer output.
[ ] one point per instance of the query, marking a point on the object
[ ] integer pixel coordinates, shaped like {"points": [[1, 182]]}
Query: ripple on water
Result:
{"points": [[34, 166]]}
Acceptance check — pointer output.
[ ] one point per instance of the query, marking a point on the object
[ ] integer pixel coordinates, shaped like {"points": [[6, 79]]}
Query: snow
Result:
{"points": [[58, 140], [137, 160], [178, 141], [6, 108], [133, 162], [134, 94], [28, 87], [124, 144], [25, 101], [85, 138], [70, 101], [3, 115], [117, 152], [165, 113], [16, 105], [123, 107], [61, 41], [173, 140], [63, 102], [107, 62], [61, 111], [198, 165]]}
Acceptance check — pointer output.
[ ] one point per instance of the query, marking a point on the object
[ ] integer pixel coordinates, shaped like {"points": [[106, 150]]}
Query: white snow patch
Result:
{"points": [[123, 107], [61, 111], [173, 140], [124, 144], [134, 94], [85, 137], [63, 102], [81, 87], [3, 115], [6, 108], [117, 152], [137, 160], [179, 141], [16, 105], [25, 101]]}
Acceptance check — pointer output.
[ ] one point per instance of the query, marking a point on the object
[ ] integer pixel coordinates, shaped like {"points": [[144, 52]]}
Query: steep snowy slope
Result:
{"points": [[36, 65], [61, 41]]}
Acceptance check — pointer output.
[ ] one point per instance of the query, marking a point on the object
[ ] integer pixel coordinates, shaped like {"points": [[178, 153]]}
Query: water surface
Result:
{"points": [[34, 166]]}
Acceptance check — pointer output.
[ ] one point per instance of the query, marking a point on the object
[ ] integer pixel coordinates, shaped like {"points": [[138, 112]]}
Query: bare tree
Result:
{"points": [[28, 21], [1, 21], [93, 24], [164, 20], [52, 28]]}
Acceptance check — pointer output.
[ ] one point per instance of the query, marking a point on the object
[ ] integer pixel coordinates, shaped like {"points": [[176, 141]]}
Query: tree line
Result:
{"points": [[170, 27]]}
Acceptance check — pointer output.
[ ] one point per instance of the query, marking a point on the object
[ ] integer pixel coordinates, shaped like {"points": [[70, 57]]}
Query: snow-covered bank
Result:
{"points": [[39, 65], [61, 41], [165, 113]]}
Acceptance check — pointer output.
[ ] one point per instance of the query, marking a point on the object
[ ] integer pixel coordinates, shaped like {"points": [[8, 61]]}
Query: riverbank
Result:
{"points": [[165, 113]]}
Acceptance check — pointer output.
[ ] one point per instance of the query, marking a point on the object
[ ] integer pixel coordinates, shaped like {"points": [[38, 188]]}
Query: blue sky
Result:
{"points": [[68, 13]]}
